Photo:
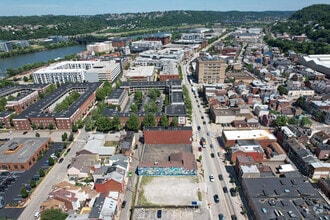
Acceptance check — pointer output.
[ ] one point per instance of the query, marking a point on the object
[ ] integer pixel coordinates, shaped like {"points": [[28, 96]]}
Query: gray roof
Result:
{"points": [[176, 110], [24, 152], [284, 198], [97, 207], [37, 109]]}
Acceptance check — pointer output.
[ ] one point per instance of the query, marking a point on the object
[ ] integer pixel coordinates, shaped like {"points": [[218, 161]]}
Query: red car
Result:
{"points": [[200, 149]]}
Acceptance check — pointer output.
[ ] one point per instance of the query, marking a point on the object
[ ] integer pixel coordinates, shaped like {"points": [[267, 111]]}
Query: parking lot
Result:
{"points": [[166, 214], [168, 191], [11, 190]]}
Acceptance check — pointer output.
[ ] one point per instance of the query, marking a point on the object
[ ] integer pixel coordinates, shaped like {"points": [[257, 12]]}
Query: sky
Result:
{"points": [[93, 7]]}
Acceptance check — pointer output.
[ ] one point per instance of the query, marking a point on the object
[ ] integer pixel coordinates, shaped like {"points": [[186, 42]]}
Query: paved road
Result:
{"points": [[227, 205], [56, 174], [130, 186]]}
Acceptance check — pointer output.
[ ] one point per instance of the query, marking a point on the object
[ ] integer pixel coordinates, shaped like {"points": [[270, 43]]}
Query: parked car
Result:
{"points": [[123, 204], [225, 190], [221, 217], [211, 178], [37, 215], [212, 155], [2, 202], [220, 177], [61, 160], [216, 198], [159, 213]]}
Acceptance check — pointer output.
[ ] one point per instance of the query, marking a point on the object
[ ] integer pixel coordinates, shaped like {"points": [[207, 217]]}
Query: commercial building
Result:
{"points": [[103, 71], [211, 70], [22, 153], [169, 72], [5, 46], [142, 45], [318, 62], [291, 197], [163, 37], [264, 137], [100, 47], [142, 73]]}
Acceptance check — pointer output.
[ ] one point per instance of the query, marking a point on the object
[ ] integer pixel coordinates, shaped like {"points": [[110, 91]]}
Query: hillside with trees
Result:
{"points": [[32, 27], [314, 21]]}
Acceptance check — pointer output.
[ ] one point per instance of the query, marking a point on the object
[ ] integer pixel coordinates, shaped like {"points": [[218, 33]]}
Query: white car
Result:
{"points": [[211, 178]]}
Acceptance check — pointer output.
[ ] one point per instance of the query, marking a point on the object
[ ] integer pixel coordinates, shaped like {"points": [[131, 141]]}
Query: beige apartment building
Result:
{"points": [[211, 70]]}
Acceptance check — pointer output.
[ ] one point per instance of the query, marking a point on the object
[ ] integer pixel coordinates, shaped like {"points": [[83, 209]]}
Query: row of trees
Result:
{"points": [[64, 105], [282, 120]]}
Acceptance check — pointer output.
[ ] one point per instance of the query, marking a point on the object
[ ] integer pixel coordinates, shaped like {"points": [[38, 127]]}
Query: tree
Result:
{"points": [[89, 124], [305, 122], [116, 123], [80, 124], [149, 120], [103, 124], [64, 136], [138, 96], [25, 79], [280, 121], [74, 127], [34, 126], [163, 121], [50, 161], [134, 108], [37, 134], [175, 122], [300, 102], [41, 172], [282, 90], [133, 123], [293, 121], [41, 126], [200, 158], [24, 193], [53, 214], [50, 126], [71, 137], [33, 183]]}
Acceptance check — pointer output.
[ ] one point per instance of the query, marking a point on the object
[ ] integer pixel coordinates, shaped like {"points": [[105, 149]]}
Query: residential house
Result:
{"points": [[83, 165], [321, 140], [103, 208]]}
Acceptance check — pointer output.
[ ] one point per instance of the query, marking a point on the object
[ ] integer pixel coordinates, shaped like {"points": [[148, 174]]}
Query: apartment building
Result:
{"points": [[211, 70]]}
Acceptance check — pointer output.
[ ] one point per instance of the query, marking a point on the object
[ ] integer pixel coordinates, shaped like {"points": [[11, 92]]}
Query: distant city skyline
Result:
{"points": [[89, 7]]}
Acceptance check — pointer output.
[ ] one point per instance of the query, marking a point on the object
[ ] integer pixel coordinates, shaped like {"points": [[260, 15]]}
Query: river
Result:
{"points": [[42, 56]]}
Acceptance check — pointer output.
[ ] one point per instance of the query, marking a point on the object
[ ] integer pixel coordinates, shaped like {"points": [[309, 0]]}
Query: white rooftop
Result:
{"points": [[286, 168], [248, 134], [320, 59], [250, 169], [144, 71]]}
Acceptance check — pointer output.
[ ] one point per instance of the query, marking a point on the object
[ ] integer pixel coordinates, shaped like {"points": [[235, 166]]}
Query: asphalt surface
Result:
{"points": [[13, 191]]}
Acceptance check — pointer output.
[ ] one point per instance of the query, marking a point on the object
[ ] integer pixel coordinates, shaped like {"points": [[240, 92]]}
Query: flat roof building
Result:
{"points": [[22, 153], [211, 70], [142, 73]]}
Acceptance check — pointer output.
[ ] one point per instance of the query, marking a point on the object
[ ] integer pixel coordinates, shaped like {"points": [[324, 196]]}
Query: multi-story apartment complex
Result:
{"points": [[77, 72], [211, 70]]}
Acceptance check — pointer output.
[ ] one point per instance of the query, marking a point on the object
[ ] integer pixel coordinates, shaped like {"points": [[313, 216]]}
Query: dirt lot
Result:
{"points": [[162, 152], [171, 191]]}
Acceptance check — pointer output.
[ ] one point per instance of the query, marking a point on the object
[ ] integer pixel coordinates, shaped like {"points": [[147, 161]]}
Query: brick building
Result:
{"points": [[167, 135], [22, 153], [42, 112]]}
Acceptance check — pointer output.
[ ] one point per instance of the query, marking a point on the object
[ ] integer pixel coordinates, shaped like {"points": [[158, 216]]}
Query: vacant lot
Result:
{"points": [[162, 152], [167, 191]]}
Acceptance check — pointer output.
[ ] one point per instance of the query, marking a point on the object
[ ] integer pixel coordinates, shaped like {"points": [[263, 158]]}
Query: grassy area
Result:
{"points": [[199, 194], [110, 143], [142, 201]]}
